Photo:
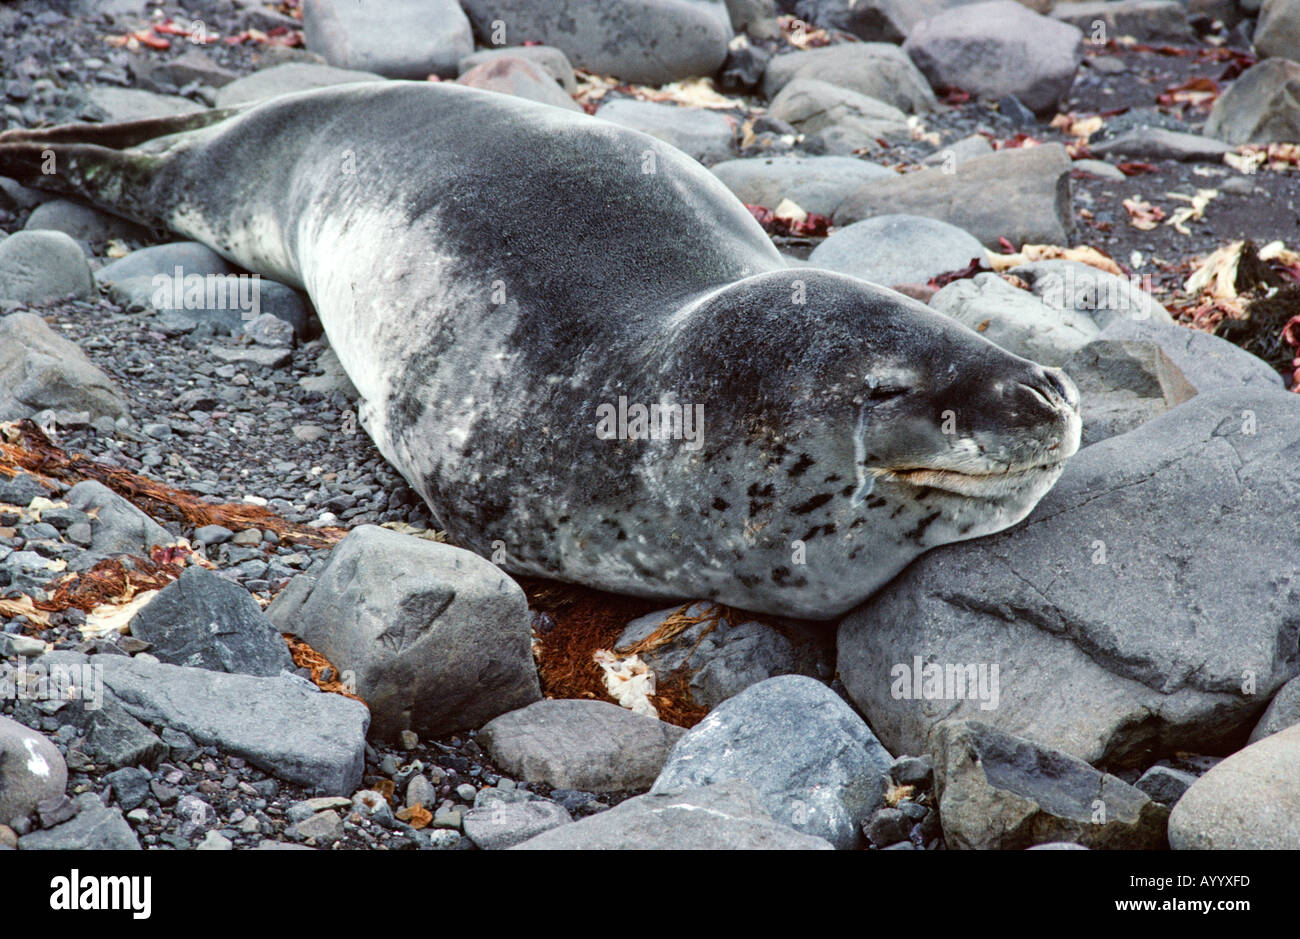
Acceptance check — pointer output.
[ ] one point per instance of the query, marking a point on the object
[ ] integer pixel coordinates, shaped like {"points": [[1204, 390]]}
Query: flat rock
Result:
{"points": [[1207, 362], [501, 825], [1156, 143], [897, 249], [436, 637], [725, 816], [261, 356], [1086, 291], [94, 829], [38, 266], [1107, 610], [1123, 384], [1250, 801], [876, 69], [816, 765], [40, 369], [1001, 792], [1021, 194], [650, 42], [594, 746], [407, 39], [281, 725], [1261, 106], [81, 222], [205, 621], [190, 256], [699, 132], [997, 49], [1165, 784], [31, 769], [1147, 20], [286, 79], [814, 183], [112, 104], [885, 20]]}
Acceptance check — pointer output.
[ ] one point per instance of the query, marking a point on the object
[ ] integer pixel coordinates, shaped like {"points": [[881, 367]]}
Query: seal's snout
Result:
{"points": [[1045, 389], [1061, 386]]}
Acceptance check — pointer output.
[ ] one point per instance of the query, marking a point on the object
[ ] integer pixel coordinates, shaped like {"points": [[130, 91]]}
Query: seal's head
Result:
{"points": [[883, 428]]}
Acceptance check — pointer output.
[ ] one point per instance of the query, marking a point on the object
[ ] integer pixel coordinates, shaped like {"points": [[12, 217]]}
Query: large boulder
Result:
{"points": [[816, 765], [704, 134], [1250, 801], [402, 39], [647, 41], [897, 249], [1105, 624], [814, 183], [519, 77], [996, 49], [1022, 195], [436, 639], [1283, 712], [594, 746], [40, 369], [875, 69], [726, 816], [1261, 106], [1000, 792]]}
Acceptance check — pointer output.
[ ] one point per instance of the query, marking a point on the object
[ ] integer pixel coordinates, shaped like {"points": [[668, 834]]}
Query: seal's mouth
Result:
{"points": [[1003, 482]]}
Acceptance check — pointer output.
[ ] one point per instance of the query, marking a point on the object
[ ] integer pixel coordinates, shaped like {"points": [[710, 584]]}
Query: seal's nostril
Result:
{"points": [[1063, 387]]}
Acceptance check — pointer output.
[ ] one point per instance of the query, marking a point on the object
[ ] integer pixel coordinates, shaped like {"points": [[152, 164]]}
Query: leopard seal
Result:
{"points": [[496, 275]]}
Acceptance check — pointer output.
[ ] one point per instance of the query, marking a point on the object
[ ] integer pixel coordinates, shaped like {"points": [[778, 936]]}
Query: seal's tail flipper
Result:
{"points": [[99, 162]]}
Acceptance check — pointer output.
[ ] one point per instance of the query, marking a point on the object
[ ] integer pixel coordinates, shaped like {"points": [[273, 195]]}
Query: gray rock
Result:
{"points": [[723, 658], [816, 765], [1123, 385], [1277, 34], [111, 735], [21, 489], [286, 79], [501, 825], [1261, 106], [1015, 319], [31, 769], [1106, 613], [15, 197], [1283, 712], [408, 39], [699, 132], [885, 20], [117, 527], [1156, 143], [1207, 362], [959, 151], [591, 745], [1101, 169], [205, 621], [190, 256], [214, 841], [1165, 784], [817, 107], [1250, 801], [553, 61], [816, 184], [1020, 194], [1001, 792], [195, 815], [213, 534], [37, 266], [80, 222], [996, 49], [325, 827], [130, 786], [39, 369], [725, 816], [1148, 20], [281, 725], [651, 42], [269, 330], [519, 77], [94, 829], [875, 69], [260, 356], [437, 638], [897, 249], [112, 104], [192, 65]]}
